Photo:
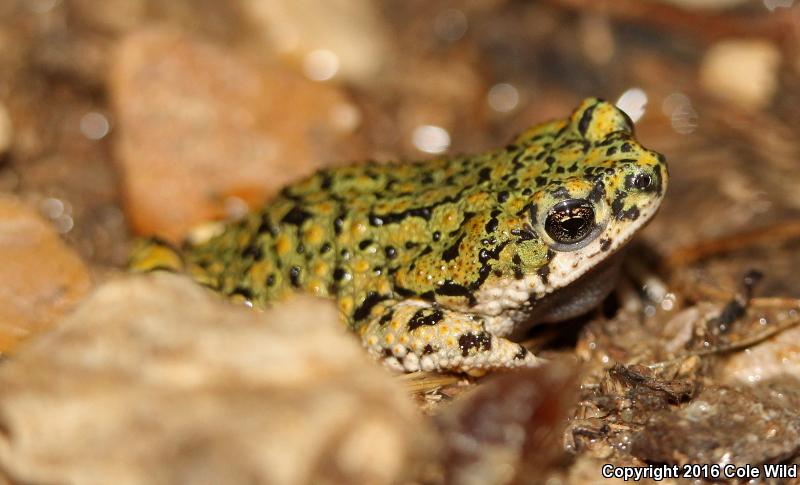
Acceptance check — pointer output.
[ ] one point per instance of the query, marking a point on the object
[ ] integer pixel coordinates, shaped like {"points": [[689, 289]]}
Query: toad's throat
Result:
{"points": [[583, 295]]}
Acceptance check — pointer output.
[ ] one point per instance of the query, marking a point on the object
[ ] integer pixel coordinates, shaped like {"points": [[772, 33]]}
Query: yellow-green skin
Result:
{"points": [[434, 263]]}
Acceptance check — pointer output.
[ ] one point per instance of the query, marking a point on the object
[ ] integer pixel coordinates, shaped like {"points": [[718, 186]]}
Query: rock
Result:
{"points": [[743, 425], [768, 361], [155, 380], [349, 33], [197, 126], [509, 428], [41, 278], [744, 72], [6, 131]]}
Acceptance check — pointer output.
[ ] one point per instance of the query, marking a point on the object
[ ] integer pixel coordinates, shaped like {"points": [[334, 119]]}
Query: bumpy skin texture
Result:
{"points": [[434, 263]]}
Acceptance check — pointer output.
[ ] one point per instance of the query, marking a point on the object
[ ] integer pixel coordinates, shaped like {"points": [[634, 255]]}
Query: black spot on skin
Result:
{"points": [[450, 288], [390, 251], [326, 181], [544, 273], [597, 192], [451, 253], [524, 234], [364, 310], [611, 151], [541, 181], [491, 226], [513, 184], [410, 245], [266, 226], [296, 216], [632, 161], [338, 223], [245, 292], [511, 147], [427, 250], [484, 175], [518, 274], [365, 244], [436, 235], [300, 248], [404, 292], [527, 191], [427, 350], [345, 253], [294, 276], [386, 317], [428, 296], [339, 274], [658, 180], [560, 169], [427, 179], [550, 160], [253, 251], [425, 317], [271, 280], [523, 352], [502, 196], [469, 341], [619, 213], [561, 193], [586, 119], [375, 220], [625, 148], [324, 248], [573, 168]]}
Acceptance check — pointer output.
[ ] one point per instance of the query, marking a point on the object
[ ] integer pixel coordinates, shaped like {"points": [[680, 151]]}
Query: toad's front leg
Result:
{"points": [[415, 335]]}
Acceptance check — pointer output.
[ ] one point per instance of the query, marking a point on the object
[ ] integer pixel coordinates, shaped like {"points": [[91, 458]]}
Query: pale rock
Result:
{"points": [[351, 30], [155, 380], [744, 72]]}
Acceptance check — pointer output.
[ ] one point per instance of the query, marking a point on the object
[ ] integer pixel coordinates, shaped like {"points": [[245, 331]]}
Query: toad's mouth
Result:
{"points": [[566, 268], [581, 296]]}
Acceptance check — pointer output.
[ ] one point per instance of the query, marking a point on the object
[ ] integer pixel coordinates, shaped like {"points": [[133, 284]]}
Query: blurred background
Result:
{"points": [[129, 117], [143, 116], [122, 118]]}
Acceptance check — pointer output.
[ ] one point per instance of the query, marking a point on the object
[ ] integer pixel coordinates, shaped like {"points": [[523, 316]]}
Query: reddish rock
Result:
{"points": [[41, 278], [198, 125]]}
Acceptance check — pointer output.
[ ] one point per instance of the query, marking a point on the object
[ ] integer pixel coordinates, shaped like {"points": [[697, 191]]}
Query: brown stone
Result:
{"points": [[155, 380], [198, 125], [41, 278]]}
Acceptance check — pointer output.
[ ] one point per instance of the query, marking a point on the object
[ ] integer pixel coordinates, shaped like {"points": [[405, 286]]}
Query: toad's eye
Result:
{"points": [[570, 221], [642, 181]]}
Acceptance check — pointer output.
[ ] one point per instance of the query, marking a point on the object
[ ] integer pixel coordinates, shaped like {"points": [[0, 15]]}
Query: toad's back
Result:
{"points": [[433, 262]]}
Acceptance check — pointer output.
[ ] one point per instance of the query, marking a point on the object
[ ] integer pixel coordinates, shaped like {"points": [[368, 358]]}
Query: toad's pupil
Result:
{"points": [[570, 221], [642, 182], [574, 226]]}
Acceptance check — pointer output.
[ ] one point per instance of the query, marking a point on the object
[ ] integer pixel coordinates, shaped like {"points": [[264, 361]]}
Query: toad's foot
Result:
{"points": [[411, 336]]}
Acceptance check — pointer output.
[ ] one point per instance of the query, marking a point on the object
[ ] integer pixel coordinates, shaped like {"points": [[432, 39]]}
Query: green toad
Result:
{"points": [[437, 264]]}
